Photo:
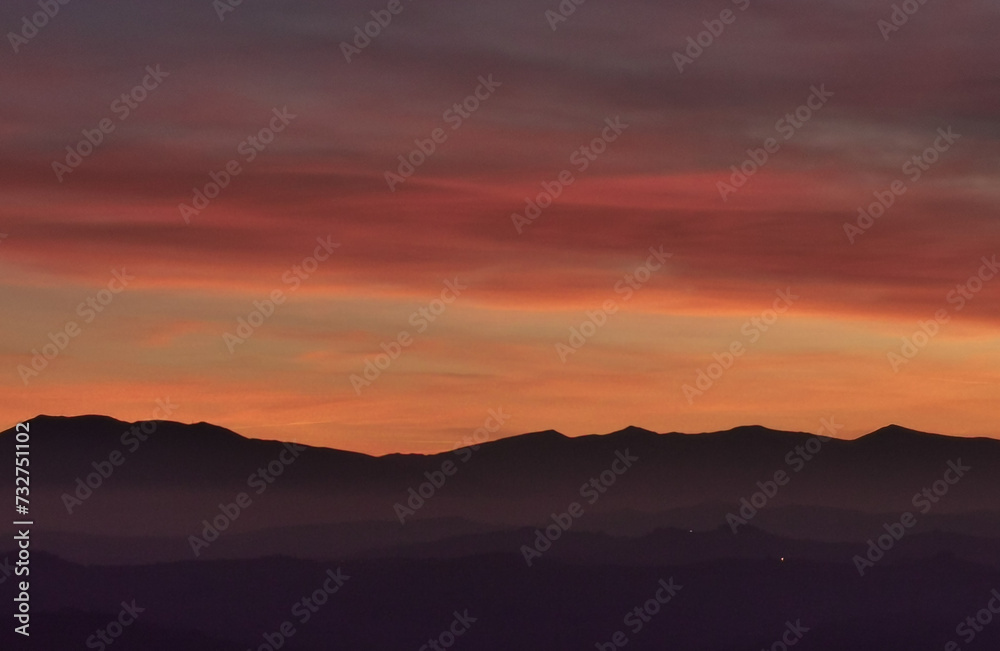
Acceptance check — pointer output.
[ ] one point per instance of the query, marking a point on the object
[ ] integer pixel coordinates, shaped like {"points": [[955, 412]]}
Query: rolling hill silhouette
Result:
{"points": [[664, 511], [517, 481]]}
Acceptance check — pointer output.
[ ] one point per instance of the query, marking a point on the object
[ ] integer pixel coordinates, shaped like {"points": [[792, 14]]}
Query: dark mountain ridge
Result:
{"points": [[188, 470]]}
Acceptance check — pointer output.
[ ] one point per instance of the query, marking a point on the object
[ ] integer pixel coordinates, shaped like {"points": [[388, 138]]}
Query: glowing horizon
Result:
{"points": [[870, 261]]}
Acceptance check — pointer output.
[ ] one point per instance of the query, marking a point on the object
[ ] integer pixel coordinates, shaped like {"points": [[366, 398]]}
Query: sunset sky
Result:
{"points": [[553, 91]]}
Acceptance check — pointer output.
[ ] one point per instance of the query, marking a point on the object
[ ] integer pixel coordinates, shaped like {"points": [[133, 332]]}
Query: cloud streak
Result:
{"points": [[656, 185]]}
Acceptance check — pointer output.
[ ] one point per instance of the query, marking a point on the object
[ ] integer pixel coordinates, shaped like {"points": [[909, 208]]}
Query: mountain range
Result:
{"points": [[760, 526]]}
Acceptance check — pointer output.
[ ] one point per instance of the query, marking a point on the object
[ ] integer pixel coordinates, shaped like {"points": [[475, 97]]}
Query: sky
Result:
{"points": [[578, 171]]}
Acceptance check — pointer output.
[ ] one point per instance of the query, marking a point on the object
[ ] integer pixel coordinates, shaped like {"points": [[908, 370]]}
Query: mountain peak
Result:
{"points": [[544, 435], [634, 430], [83, 419], [97, 427], [747, 432], [896, 432]]}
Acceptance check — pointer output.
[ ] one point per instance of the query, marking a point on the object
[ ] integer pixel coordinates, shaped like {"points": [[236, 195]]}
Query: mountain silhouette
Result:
{"points": [[666, 511], [515, 481]]}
